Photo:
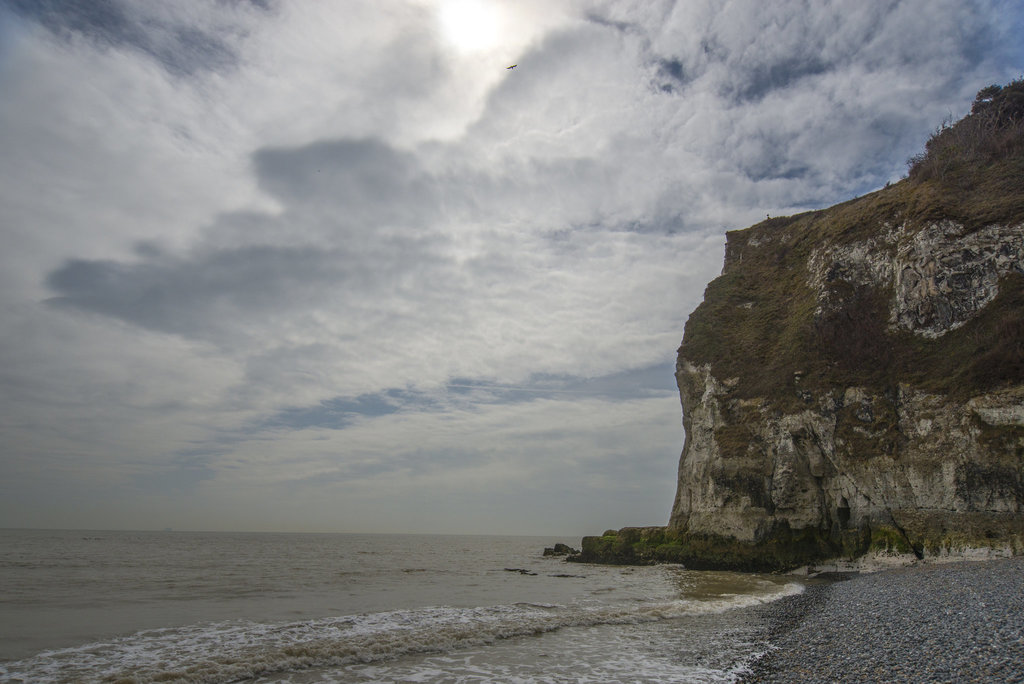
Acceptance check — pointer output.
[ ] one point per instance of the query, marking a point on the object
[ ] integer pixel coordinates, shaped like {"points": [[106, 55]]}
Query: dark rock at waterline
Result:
{"points": [[560, 550]]}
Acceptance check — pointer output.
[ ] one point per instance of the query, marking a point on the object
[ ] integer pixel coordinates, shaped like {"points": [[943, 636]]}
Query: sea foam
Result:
{"points": [[230, 651]]}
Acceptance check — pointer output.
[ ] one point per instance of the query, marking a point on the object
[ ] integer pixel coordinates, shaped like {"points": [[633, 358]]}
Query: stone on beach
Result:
{"points": [[954, 622]]}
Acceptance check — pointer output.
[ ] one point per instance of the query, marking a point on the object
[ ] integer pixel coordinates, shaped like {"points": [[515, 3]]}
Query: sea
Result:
{"points": [[169, 606]]}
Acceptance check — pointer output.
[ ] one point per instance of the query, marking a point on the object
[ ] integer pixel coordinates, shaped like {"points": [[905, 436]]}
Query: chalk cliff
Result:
{"points": [[854, 380], [895, 416]]}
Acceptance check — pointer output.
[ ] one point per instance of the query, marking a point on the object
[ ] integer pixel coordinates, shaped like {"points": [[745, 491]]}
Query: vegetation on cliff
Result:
{"points": [[760, 321], [991, 133]]}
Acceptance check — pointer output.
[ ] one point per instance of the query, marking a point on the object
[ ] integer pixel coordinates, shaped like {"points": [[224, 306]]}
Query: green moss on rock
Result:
{"points": [[890, 540], [783, 550]]}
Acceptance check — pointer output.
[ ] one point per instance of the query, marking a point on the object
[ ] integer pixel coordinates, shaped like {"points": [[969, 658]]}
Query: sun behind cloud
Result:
{"points": [[470, 25]]}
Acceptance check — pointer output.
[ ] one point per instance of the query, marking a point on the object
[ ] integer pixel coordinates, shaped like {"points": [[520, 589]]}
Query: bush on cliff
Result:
{"points": [[993, 130]]}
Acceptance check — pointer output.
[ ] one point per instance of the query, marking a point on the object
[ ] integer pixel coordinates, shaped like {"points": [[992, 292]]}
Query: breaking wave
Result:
{"points": [[231, 651]]}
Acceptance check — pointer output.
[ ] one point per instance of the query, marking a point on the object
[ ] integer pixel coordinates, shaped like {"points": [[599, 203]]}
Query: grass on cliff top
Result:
{"points": [[758, 323], [971, 170]]}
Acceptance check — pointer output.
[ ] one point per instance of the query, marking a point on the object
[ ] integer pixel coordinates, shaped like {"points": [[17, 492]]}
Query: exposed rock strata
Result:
{"points": [[889, 463], [941, 276], [844, 394]]}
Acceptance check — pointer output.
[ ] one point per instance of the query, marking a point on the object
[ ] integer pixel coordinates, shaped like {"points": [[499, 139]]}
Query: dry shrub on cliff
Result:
{"points": [[993, 130]]}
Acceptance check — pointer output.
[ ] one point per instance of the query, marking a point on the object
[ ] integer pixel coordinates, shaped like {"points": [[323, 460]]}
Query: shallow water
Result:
{"points": [[214, 607]]}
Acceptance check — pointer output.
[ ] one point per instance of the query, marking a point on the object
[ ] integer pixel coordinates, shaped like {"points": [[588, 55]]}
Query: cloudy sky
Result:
{"points": [[310, 265]]}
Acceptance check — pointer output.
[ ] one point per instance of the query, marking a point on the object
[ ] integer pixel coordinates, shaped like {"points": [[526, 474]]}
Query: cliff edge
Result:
{"points": [[854, 379]]}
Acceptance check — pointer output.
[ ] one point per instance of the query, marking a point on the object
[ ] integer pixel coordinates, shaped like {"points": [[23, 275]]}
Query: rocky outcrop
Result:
{"points": [[941, 276], [896, 422], [853, 382], [846, 392], [560, 550]]}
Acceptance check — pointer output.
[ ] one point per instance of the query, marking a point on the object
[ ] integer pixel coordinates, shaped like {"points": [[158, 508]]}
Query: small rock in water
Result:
{"points": [[560, 550]]}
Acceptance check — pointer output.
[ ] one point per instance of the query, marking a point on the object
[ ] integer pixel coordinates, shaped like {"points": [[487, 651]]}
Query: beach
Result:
{"points": [[942, 622]]}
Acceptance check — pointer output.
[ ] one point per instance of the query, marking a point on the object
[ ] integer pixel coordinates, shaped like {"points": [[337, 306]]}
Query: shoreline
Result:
{"points": [[932, 622]]}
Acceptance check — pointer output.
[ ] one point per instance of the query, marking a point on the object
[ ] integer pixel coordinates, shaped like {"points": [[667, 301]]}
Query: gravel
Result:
{"points": [[955, 622]]}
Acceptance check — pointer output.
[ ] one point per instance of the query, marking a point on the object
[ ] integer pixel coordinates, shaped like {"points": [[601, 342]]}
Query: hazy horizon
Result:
{"points": [[129, 530], [335, 267]]}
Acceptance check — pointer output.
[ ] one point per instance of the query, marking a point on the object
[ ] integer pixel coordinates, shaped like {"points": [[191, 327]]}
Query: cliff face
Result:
{"points": [[894, 417], [854, 380]]}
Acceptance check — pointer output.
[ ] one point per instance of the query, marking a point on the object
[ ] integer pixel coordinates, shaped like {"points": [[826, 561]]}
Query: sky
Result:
{"points": [[333, 266]]}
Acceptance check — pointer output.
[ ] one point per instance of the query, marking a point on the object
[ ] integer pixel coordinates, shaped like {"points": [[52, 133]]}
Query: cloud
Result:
{"points": [[375, 245], [350, 173], [531, 456], [339, 412], [210, 296], [313, 266], [183, 40]]}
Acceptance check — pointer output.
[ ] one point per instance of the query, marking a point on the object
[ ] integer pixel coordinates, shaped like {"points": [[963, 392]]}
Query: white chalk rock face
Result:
{"points": [[857, 388]]}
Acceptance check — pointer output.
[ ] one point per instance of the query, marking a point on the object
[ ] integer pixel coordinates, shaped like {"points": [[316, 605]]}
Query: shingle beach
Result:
{"points": [[952, 622]]}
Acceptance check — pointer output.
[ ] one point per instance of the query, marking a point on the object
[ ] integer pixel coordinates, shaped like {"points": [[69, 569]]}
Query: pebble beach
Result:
{"points": [[950, 622]]}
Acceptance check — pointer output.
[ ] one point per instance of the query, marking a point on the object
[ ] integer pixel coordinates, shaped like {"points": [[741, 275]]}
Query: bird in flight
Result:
{"points": [[511, 67]]}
